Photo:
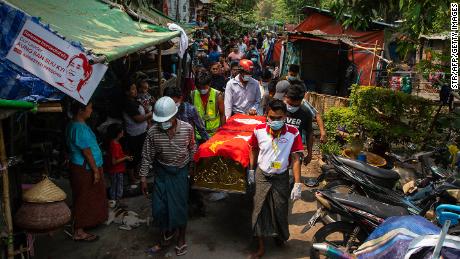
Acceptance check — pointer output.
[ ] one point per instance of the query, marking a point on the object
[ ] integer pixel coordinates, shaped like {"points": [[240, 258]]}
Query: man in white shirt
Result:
{"points": [[242, 46], [242, 93], [274, 146]]}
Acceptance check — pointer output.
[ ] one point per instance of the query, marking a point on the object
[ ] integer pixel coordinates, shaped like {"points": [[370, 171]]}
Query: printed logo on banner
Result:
{"points": [[56, 61]]}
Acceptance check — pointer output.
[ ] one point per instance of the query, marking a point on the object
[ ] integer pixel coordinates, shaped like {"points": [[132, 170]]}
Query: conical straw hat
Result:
{"points": [[43, 192]]}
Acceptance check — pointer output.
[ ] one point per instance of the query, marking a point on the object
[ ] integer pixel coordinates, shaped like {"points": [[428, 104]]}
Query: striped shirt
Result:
{"points": [[178, 151]]}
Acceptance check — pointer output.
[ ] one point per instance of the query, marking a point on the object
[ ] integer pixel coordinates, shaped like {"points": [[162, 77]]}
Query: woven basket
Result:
{"points": [[43, 192], [42, 217]]}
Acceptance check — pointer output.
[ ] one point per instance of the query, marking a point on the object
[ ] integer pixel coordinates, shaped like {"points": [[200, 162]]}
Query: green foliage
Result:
{"points": [[381, 114], [240, 11], [331, 147], [435, 64], [420, 16]]}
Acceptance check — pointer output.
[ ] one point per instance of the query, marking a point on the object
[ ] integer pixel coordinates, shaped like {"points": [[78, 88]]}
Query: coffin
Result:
{"points": [[221, 161]]}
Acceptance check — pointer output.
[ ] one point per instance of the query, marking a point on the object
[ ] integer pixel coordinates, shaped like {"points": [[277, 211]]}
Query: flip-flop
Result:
{"points": [[90, 238], [181, 250], [154, 250]]}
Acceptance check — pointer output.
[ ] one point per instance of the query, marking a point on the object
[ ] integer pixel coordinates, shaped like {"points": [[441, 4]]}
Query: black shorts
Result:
{"points": [[134, 145]]}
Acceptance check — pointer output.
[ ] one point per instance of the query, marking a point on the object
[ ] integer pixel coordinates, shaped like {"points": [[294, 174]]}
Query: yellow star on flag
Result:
{"points": [[215, 144]]}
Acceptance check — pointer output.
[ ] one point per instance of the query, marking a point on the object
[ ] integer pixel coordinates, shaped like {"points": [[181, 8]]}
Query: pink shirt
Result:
{"points": [[235, 56]]}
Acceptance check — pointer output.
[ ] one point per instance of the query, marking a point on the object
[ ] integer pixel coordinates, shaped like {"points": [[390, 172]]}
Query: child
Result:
{"points": [[116, 165], [144, 97]]}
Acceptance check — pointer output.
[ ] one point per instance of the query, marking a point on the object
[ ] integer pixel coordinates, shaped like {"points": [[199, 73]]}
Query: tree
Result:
{"points": [[419, 16]]}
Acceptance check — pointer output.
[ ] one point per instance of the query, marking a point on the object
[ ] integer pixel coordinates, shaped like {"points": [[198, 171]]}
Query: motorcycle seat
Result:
{"points": [[369, 170], [369, 205]]}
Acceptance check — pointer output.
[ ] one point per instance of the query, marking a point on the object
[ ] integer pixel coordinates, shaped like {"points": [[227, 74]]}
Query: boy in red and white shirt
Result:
{"points": [[274, 145]]}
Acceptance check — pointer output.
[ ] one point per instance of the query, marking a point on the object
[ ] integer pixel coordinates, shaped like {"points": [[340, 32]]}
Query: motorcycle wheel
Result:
{"points": [[337, 234], [338, 186]]}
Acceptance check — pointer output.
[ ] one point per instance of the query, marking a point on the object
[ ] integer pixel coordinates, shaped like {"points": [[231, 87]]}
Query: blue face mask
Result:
{"points": [[291, 78], [275, 125], [246, 78]]}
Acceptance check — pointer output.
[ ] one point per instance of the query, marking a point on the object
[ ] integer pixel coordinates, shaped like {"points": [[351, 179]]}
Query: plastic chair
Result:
{"points": [[447, 215]]}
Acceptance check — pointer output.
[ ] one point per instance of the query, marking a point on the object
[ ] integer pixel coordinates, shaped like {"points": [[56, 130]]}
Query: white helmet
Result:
{"points": [[165, 108]]}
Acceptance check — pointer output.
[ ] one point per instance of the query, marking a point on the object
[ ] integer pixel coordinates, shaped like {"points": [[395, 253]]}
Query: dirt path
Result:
{"points": [[224, 232]]}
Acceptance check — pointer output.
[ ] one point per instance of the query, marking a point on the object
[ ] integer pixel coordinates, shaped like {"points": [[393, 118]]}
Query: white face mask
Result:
{"points": [[204, 91], [166, 125]]}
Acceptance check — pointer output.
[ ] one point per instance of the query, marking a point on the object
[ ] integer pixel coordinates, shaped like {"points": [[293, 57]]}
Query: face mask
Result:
{"points": [[276, 125], [204, 91], [291, 78], [246, 78], [177, 105], [292, 109], [166, 125], [264, 84]]}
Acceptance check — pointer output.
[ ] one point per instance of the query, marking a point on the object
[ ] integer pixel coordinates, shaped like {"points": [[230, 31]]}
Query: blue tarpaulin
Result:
{"points": [[15, 82]]}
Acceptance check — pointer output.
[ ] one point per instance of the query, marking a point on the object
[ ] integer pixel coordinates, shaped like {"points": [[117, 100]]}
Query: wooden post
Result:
{"points": [[6, 193], [179, 73], [373, 61], [159, 69]]}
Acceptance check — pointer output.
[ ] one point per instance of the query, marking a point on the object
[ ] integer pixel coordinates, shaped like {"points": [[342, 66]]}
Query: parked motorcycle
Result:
{"points": [[402, 237], [352, 176], [361, 215]]}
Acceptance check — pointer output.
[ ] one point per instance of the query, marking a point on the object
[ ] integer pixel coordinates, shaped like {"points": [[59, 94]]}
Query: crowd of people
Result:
{"points": [[160, 136]]}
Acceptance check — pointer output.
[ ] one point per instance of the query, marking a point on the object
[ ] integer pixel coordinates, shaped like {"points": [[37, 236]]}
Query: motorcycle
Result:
{"points": [[403, 237], [352, 176], [418, 203], [361, 216]]}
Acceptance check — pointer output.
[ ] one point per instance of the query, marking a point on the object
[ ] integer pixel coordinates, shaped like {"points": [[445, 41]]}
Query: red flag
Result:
{"points": [[243, 122], [231, 140]]}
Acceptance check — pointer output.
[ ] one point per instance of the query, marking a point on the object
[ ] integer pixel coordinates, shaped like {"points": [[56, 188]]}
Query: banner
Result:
{"points": [[56, 62]]}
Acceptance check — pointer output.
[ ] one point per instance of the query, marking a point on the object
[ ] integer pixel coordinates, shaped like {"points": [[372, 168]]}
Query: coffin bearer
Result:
{"points": [[242, 94], [273, 145], [291, 79], [209, 103], [187, 112], [169, 149], [299, 116]]}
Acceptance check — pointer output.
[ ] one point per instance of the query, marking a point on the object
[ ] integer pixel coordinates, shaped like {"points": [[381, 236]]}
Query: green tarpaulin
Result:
{"points": [[100, 28]]}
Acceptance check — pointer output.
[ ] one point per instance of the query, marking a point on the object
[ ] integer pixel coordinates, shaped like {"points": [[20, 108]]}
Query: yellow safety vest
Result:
{"points": [[211, 118]]}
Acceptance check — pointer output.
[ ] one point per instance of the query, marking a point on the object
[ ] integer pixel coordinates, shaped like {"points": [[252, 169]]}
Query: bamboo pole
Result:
{"points": [[373, 61], [6, 193]]}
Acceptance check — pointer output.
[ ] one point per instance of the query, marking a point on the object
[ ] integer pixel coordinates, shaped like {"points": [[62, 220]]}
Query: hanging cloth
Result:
{"points": [[183, 38]]}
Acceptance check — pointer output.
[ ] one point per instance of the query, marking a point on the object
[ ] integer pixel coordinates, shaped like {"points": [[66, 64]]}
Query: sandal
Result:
{"points": [[181, 250], [154, 250], [88, 238]]}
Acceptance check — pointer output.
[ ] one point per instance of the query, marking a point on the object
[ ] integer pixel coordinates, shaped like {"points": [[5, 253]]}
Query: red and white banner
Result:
{"points": [[56, 62]]}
